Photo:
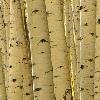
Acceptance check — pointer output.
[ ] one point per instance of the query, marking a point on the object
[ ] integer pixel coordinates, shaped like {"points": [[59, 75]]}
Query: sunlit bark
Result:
{"points": [[87, 31], [40, 50], [61, 71]]}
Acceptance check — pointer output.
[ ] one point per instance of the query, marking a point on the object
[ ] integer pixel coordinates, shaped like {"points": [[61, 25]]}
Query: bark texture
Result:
{"points": [[97, 54], [40, 50], [20, 78], [87, 49], [6, 13], [77, 38], [2, 55], [61, 72], [73, 57]]}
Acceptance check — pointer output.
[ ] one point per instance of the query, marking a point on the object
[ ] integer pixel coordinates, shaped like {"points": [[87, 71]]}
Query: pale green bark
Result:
{"points": [[40, 50], [87, 49], [61, 72]]}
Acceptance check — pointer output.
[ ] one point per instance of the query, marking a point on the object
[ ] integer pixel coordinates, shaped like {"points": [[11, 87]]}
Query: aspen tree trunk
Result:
{"points": [[23, 8], [40, 50], [97, 54], [67, 28], [61, 72], [6, 11], [2, 55], [87, 49], [25, 15], [73, 57], [6, 5], [77, 38], [28, 80], [2, 81], [20, 80]]}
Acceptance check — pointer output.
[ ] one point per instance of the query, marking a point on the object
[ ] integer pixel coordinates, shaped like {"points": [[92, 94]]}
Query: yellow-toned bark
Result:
{"points": [[61, 71], [20, 78], [6, 15], [2, 55], [87, 50], [67, 27], [97, 54], [77, 38], [40, 50], [73, 57], [2, 80]]}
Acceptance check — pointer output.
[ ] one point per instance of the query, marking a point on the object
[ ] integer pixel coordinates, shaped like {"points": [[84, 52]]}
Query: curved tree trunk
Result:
{"points": [[61, 72], [97, 54], [40, 50], [2, 56], [20, 79], [87, 49]]}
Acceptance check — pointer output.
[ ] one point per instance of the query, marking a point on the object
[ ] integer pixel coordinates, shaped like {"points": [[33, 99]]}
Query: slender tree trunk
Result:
{"points": [[68, 19], [97, 54], [2, 55], [73, 56], [28, 80], [40, 50], [61, 72], [23, 8], [67, 27], [2, 80], [6, 4], [6, 13], [76, 30], [87, 49], [20, 79]]}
